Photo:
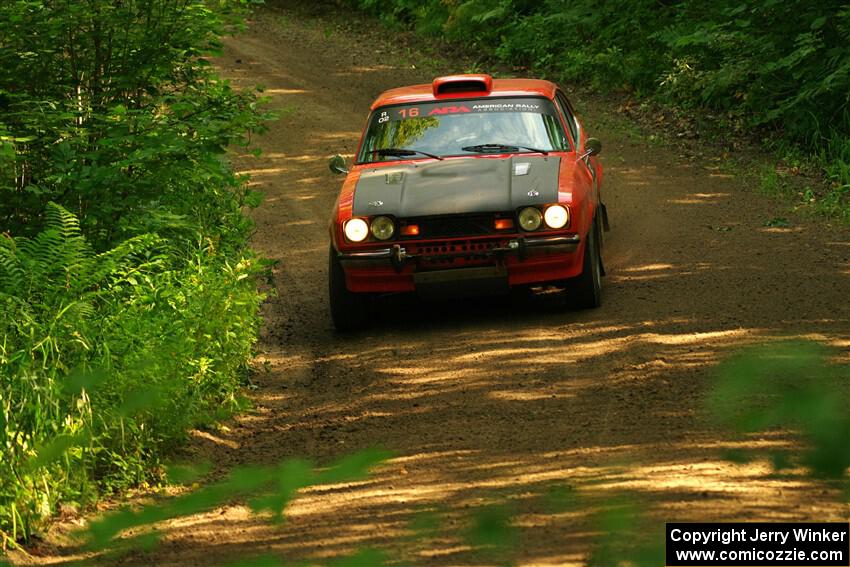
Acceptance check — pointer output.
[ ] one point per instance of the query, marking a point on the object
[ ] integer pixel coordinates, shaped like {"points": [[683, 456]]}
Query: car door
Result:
{"points": [[590, 166]]}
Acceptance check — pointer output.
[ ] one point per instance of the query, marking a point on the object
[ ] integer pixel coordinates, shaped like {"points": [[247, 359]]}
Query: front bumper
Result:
{"points": [[522, 260], [521, 247]]}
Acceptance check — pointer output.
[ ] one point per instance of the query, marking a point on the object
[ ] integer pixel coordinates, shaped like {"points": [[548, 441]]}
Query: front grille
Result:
{"points": [[454, 225], [459, 252], [456, 247]]}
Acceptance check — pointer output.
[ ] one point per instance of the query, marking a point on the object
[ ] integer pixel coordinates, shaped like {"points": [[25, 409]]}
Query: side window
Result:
{"points": [[369, 141], [574, 119], [570, 118], [555, 132]]}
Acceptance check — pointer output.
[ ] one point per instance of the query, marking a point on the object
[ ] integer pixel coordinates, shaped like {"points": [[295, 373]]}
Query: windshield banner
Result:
{"points": [[478, 106]]}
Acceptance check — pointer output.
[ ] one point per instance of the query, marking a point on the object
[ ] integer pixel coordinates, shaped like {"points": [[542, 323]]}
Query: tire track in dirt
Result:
{"points": [[478, 401]]}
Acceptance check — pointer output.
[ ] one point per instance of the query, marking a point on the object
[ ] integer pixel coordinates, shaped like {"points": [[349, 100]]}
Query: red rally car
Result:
{"points": [[467, 185]]}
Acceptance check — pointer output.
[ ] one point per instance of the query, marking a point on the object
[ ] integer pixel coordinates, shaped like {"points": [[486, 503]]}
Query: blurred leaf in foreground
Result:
{"points": [[624, 540], [268, 488], [493, 531], [370, 557], [789, 386], [354, 467]]}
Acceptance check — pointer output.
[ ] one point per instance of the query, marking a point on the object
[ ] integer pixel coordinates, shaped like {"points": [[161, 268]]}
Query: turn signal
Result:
{"points": [[410, 230], [504, 224]]}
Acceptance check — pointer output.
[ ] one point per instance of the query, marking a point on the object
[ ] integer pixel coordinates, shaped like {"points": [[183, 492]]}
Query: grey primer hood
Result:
{"points": [[456, 186]]}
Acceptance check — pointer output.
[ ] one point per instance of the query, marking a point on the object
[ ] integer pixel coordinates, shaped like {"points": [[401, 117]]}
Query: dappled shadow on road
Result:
{"points": [[483, 408]]}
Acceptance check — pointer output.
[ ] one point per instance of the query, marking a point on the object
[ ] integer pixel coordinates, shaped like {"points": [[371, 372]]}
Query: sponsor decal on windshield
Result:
{"points": [[396, 114], [508, 107]]}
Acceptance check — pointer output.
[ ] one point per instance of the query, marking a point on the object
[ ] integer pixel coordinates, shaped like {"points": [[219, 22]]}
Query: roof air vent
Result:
{"points": [[456, 84]]}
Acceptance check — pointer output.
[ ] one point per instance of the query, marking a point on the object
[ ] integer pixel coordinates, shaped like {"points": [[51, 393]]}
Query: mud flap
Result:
{"points": [[600, 239], [605, 224]]}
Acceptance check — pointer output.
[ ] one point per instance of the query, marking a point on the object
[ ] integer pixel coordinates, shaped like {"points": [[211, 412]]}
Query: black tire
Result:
{"points": [[349, 310], [585, 291]]}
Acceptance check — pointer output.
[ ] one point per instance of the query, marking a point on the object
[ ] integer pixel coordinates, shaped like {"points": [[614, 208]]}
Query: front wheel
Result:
{"points": [[348, 309], [585, 291]]}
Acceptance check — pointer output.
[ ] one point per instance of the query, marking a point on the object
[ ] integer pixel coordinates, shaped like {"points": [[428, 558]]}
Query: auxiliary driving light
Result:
{"points": [[530, 218], [556, 216], [383, 228], [356, 230]]}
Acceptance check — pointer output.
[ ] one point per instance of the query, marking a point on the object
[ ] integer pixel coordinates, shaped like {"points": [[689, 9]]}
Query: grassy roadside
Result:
{"points": [[128, 289]]}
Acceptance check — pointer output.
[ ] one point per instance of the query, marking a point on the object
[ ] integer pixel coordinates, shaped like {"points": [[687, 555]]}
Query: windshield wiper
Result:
{"points": [[500, 148], [401, 152]]}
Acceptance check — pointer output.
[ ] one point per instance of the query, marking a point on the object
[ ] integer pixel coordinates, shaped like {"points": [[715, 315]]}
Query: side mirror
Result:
{"points": [[337, 164], [592, 146]]}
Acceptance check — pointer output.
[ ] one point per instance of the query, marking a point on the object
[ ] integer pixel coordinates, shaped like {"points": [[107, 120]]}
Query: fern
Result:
{"points": [[11, 270], [62, 220], [59, 262]]}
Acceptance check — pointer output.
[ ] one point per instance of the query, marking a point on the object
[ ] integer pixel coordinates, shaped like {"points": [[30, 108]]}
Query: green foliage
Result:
{"points": [[107, 358], [110, 111], [493, 533], [783, 67], [127, 292], [268, 489], [623, 540], [789, 386]]}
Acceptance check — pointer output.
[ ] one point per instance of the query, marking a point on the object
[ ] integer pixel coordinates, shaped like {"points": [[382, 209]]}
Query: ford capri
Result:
{"points": [[469, 185]]}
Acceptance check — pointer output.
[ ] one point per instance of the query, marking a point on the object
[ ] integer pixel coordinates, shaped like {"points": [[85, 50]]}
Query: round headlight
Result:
{"points": [[383, 228], [556, 216], [356, 230], [530, 218]]}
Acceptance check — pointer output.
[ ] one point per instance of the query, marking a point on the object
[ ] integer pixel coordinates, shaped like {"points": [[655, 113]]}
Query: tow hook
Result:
{"points": [[399, 255], [518, 245]]}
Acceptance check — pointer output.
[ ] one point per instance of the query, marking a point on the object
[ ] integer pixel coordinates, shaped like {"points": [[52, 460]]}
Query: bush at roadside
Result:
{"points": [[128, 294], [782, 68]]}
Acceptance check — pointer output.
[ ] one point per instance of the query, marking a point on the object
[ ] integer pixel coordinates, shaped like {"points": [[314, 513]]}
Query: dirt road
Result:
{"points": [[482, 403]]}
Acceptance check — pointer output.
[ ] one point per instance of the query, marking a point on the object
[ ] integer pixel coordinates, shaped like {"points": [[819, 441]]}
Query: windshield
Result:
{"points": [[462, 127]]}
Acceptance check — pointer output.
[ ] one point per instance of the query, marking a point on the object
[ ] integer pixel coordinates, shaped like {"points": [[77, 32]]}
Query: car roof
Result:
{"points": [[499, 88]]}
